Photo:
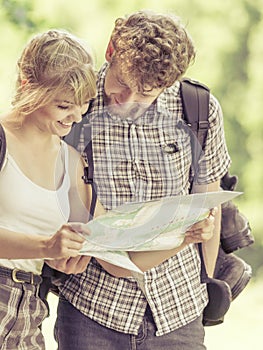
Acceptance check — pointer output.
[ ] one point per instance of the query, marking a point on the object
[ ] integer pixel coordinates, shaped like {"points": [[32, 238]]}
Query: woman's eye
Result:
{"points": [[62, 107]]}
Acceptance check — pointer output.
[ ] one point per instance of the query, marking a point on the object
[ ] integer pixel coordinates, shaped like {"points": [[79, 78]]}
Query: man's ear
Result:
{"points": [[109, 51]]}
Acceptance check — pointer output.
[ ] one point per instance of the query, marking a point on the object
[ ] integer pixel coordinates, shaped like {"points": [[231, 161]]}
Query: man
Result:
{"points": [[142, 151]]}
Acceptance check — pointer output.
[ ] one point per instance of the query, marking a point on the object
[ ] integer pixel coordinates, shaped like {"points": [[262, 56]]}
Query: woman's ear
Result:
{"points": [[109, 51]]}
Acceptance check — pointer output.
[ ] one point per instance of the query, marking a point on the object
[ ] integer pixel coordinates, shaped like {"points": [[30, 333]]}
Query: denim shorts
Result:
{"points": [[75, 331]]}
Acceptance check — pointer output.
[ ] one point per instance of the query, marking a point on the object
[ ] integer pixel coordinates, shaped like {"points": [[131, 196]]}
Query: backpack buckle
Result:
{"points": [[203, 125], [88, 180]]}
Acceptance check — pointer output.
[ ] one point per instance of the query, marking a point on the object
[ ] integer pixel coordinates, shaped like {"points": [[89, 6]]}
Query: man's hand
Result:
{"points": [[201, 231]]}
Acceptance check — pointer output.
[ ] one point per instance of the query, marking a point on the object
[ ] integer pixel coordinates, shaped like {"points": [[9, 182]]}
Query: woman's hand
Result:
{"points": [[70, 265], [201, 231], [65, 243]]}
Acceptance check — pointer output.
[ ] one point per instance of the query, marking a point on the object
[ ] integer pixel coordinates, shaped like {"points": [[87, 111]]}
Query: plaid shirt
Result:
{"points": [[141, 160]]}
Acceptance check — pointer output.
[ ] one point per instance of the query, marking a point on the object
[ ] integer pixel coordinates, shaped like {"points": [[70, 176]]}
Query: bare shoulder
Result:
{"points": [[75, 157], [73, 152], [76, 164]]}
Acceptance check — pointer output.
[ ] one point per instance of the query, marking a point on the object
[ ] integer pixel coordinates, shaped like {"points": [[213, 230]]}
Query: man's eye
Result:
{"points": [[122, 83], [144, 94]]}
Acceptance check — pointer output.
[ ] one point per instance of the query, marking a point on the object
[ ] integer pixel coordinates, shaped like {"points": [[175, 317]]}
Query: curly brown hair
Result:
{"points": [[153, 50]]}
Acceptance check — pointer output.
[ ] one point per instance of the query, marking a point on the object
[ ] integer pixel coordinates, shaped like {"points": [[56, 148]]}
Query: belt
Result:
{"points": [[20, 276]]}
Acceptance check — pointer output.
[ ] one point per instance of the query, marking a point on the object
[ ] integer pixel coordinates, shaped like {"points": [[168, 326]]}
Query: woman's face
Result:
{"points": [[57, 117]]}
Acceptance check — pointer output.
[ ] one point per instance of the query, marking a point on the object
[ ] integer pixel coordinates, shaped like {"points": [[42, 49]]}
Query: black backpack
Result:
{"points": [[230, 271], [235, 228]]}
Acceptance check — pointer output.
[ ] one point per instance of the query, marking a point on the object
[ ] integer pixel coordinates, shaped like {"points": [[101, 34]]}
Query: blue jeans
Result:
{"points": [[75, 331]]}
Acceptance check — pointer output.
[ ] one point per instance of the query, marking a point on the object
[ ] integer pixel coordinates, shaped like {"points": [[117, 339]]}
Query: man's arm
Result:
{"points": [[210, 247], [200, 232]]}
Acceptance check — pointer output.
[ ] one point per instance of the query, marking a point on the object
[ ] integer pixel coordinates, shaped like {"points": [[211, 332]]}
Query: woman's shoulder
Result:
{"points": [[75, 159], [73, 153]]}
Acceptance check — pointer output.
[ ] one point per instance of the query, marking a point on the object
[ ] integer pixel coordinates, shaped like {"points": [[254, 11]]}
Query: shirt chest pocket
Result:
{"points": [[176, 149], [175, 160]]}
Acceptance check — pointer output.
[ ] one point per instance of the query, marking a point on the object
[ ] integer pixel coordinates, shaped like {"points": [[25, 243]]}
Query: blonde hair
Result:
{"points": [[53, 62], [153, 50]]}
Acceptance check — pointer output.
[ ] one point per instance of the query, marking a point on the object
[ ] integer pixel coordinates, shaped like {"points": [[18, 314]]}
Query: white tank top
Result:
{"points": [[29, 208]]}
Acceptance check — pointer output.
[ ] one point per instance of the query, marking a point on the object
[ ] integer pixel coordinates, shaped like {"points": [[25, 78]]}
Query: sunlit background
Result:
{"points": [[228, 37]]}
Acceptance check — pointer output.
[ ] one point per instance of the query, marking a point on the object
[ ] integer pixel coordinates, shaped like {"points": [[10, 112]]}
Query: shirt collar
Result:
{"points": [[163, 101]]}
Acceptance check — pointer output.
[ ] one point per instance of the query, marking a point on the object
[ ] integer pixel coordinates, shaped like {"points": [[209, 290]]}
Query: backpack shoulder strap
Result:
{"points": [[195, 99], [2, 147], [73, 139], [89, 171]]}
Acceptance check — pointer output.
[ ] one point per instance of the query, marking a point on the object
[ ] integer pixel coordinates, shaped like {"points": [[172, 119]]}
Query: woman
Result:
{"points": [[41, 175]]}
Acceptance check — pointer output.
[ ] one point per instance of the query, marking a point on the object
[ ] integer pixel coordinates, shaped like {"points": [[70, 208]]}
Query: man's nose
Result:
{"points": [[127, 95]]}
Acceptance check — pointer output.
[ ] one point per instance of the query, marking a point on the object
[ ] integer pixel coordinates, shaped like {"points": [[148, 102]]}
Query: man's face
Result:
{"points": [[124, 99]]}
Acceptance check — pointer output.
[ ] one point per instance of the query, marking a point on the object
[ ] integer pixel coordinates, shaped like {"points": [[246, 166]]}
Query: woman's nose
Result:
{"points": [[77, 115]]}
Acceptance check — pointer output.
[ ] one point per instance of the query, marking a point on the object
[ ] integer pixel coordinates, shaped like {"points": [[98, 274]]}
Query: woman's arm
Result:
{"points": [[15, 245], [80, 195], [64, 243]]}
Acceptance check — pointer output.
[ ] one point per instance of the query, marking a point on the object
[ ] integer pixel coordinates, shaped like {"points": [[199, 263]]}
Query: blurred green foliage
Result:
{"points": [[228, 38]]}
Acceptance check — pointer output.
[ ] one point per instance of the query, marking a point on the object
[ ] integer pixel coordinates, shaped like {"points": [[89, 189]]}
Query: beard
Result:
{"points": [[128, 111]]}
